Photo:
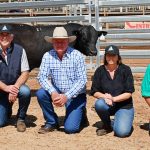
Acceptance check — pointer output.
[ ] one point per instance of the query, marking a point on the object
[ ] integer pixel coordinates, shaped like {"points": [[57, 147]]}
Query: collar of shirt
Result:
{"points": [[112, 70], [9, 50]]}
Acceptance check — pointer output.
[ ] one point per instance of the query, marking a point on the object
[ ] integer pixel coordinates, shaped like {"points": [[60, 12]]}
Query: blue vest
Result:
{"points": [[10, 72]]}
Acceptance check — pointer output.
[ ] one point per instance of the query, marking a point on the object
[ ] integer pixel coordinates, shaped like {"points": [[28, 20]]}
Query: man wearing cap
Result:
{"points": [[63, 79], [13, 75], [113, 86]]}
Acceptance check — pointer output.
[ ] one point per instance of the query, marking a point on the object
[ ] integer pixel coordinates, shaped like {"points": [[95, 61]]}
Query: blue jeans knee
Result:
{"points": [[123, 123], [71, 129], [122, 132], [24, 92], [100, 105], [24, 97], [75, 111]]}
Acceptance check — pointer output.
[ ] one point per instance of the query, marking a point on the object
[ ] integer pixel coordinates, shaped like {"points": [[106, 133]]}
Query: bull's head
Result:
{"points": [[86, 40]]}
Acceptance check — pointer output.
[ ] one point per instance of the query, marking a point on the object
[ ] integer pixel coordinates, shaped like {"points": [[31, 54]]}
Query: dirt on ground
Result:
{"points": [[87, 139]]}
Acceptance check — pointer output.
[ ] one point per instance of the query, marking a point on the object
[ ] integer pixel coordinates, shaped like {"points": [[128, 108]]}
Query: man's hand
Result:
{"points": [[12, 98], [12, 89], [54, 95], [13, 92], [60, 100]]}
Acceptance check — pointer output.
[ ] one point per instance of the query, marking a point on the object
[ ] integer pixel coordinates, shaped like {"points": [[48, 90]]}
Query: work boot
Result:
{"points": [[103, 131], [21, 126], [46, 129]]}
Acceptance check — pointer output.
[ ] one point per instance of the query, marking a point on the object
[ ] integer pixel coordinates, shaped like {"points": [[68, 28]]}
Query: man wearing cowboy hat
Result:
{"points": [[62, 77], [13, 75]]}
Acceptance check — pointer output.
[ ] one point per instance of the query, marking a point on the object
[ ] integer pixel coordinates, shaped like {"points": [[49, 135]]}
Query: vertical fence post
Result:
{"points": [[90, 22], [89, 8], [97, 26]]}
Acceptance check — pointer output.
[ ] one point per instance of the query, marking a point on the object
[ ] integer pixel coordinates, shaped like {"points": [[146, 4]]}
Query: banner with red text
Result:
{"points": [[137, 25]]}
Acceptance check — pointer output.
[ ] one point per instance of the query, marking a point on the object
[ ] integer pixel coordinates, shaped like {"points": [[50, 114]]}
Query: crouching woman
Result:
{"points": [[113, 86]]}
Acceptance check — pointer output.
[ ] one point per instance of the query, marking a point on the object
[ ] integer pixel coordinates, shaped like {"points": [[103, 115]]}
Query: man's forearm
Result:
{"points": [[76, 88], [46, 84], [22, 79], [3, 86]]}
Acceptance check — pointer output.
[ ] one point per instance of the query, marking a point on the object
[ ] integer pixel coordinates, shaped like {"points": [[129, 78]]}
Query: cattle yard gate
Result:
{"points": [[134, 43]]}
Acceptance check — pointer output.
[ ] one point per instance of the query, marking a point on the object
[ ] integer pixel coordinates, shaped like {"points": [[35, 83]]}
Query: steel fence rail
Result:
{"points": [[115, 19], [126, 43], [123, 3], [39, 4], [118, 31], [139, 36], [43, 19]]}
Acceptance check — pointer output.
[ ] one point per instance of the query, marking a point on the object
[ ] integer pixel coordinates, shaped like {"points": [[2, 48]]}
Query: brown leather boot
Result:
{"points": [[103, 131], [21, 126]]}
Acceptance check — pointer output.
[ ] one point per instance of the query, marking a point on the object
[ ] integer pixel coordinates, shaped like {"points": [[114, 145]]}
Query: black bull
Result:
{"points": [[32, 39]]}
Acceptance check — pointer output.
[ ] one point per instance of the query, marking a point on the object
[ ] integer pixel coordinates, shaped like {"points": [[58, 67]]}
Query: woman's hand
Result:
{"points": [[108, 99]]}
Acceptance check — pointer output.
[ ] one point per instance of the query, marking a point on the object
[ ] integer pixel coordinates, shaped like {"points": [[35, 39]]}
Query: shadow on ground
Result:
{"points": [[145, 126], [30, 119]]}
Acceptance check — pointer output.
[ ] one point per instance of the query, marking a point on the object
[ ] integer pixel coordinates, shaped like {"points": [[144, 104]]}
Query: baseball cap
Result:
{"points": [[112, 49], [5, 28]]}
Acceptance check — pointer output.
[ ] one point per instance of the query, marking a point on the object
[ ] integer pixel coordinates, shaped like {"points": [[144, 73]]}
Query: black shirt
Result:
{"points": [[121, 83]]}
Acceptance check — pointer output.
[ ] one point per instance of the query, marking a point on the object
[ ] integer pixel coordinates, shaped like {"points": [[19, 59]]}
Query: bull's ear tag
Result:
{"points": [[102, 37]]}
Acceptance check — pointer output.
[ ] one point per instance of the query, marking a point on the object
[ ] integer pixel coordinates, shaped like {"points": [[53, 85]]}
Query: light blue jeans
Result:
{"points": [[24, 97], [74, 111], [123, 118]]}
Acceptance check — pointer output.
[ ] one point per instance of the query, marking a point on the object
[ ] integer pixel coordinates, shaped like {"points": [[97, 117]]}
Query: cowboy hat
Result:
{"points": [[60, 33]]}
